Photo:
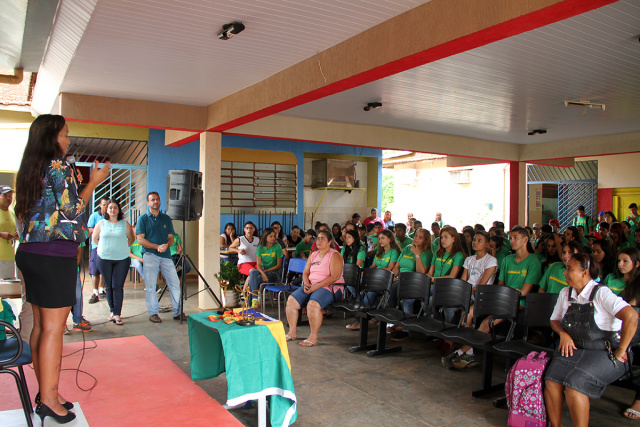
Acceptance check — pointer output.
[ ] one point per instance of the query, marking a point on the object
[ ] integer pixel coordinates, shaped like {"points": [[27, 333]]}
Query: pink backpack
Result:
{"points": [[523, 389]]}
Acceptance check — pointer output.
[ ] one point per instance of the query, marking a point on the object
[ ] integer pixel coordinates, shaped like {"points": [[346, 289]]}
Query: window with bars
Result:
{"points": [[258, 187]]}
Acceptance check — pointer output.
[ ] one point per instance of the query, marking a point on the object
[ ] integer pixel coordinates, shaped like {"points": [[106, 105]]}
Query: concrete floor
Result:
{"points": [[338, 388]]}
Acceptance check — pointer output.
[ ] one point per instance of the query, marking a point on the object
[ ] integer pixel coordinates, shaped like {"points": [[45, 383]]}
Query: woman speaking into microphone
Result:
{"points": [[52, 215]]}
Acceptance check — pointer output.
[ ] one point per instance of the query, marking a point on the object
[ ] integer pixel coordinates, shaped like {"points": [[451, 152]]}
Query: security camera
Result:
{"points": [[372, 105], [229, 30]]}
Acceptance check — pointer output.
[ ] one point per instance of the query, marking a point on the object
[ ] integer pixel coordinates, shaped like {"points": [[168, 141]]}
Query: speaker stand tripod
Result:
{"points": [[182, 262]]}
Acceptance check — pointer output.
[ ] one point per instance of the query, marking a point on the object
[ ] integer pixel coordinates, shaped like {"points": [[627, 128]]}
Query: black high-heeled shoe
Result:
{"points": [[66, 405], [43, 411]]}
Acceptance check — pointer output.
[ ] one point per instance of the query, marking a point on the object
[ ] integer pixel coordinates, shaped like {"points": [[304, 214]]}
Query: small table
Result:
{"points": [[255, 359]]}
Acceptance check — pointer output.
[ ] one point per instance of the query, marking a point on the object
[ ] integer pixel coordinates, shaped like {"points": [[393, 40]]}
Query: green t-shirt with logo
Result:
{"points": [[374, 239], [269, 256], [553, 280], [304, 248], [176, 242], [387, 258], [362, 255], [616, 284], [585, 221], [136, 248], [407, 260], [444, 264], [516, 274], [406, 242], [435, 244]]}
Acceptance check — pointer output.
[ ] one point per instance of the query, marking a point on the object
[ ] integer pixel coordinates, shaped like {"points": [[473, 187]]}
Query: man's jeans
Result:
{"points": [[76, 309], [152, 265]]}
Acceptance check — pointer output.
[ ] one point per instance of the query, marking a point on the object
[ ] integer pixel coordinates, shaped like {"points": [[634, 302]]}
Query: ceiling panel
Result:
{"points": [[167, 50], [502, 90]]}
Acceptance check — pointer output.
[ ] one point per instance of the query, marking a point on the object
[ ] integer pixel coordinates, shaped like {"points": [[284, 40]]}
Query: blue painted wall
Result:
{"points": [[163, 158]]}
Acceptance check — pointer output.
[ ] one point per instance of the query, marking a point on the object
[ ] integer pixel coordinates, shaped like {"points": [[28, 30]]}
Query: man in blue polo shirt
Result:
{"points": [[154, 231]]}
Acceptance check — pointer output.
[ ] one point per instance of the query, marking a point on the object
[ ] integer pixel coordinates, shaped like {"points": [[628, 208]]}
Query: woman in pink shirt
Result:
{"points": [[323, 269]]}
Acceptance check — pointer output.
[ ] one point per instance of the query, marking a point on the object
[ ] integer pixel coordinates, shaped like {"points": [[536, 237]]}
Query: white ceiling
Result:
{"points": [[502, 90], [165, 50]]}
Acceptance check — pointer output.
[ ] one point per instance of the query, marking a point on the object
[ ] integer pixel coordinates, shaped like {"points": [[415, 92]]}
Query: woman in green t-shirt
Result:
{"points": [[627, 270], [447, 262], [386, 258], [353, 252], [268, 264], [553, 280]]}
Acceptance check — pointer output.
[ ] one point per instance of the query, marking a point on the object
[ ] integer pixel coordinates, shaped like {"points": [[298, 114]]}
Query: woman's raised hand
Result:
{"points": [[100, 174]]}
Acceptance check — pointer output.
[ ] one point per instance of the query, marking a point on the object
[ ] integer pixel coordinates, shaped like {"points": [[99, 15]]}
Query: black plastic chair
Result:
{"points": [[447, 293], [351, 274], [373, 280], [14, 353], [537, 314], [411, 285], [499, 302]]}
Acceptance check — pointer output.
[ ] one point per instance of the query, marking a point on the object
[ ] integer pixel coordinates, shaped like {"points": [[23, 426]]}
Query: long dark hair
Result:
{"points": [[632, 287], [120, 214], [617, 229], [550, 259], [352, 251], [609, 260], [392, 243], [457, 243], [265, 234], [42, 146], [230, 239], [280, 235]]}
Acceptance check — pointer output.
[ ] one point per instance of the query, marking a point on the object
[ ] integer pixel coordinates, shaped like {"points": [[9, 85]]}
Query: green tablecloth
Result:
{"points": [[251, 357]]}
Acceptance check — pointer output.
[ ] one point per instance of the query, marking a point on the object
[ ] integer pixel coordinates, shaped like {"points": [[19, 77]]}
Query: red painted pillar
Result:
{"points": [[514, 193]]}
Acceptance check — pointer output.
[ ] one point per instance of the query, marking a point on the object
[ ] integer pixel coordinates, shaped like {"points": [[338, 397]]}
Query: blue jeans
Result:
{"points": [[153, 264], [76, 309], [255, 280], [114, 273]]}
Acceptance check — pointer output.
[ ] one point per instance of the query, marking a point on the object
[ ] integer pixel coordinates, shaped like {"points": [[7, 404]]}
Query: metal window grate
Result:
{"points": [[127, 182], [257, 187]]}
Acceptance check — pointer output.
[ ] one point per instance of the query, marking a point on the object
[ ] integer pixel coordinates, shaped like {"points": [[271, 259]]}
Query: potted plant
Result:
{"points": [[229, 278]]}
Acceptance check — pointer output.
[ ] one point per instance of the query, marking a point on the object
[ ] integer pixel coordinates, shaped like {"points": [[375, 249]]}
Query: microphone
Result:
{"points": [[72, 162]]}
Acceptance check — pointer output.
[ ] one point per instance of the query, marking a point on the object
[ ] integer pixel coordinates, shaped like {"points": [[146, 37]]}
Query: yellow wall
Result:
{"points": [[257, 156]]}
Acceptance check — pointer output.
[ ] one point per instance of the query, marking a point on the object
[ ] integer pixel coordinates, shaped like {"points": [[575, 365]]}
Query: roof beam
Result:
{"points": [[426, 33]]}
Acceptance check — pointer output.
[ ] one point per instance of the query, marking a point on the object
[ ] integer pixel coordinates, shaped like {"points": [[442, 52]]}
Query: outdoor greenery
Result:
{"points": [[387, 190]]}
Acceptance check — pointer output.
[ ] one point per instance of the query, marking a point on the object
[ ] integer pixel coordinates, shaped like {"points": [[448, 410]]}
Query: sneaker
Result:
{"points": [[464, 361], [82, 326], [84, 319], [67, 331], [446, 360], [103, 295], [94, 299]]}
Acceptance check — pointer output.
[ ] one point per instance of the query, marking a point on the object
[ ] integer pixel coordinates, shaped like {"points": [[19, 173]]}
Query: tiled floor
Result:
{"points": [[335, 387]]}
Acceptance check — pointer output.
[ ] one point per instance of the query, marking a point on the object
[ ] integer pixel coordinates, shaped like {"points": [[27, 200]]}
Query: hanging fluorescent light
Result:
{"points": [[584, 104]]}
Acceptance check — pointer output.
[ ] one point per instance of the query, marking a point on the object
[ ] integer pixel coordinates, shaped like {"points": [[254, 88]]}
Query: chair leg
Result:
{"points": [[23, 379], [487, 375], [364, 331], [26, 404], [381, 342]]}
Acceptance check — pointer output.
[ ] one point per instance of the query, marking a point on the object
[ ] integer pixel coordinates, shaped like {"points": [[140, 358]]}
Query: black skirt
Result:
{"points": [[50, 282]]}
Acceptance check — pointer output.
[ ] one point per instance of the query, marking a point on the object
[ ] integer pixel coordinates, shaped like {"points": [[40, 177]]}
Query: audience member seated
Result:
{"points": [[555, 225], [135, 254], [176, 250], [269, 259], [280, 237], [617, 238], [336, 230], [355, 219], [227, 237], [553, 280], [303, 249], [373, 218], [323, 270], [322, 226], [627, 269], [603, 256], [588, 357], [448, 259], [295, 237], [478, 269], [245, 246], [401, 236], [353, 252], [388, 222], [386, 257], [552, 247], [495, 249], [468, 234], [439, 219]]}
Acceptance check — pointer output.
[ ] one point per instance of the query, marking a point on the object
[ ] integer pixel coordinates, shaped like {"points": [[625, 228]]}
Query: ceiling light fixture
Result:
{"points": [[537, 132], [584, 104], [372, 106], [229, 30]]}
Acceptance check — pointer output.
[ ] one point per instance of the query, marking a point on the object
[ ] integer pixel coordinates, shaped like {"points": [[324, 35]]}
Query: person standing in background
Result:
{"points": [[96, 280], [8, 234]]}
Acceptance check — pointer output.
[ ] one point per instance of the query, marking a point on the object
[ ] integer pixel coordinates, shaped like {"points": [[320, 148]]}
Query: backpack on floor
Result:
{"points": [[523, 389]]}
